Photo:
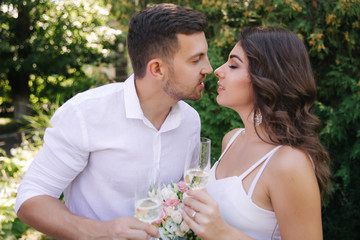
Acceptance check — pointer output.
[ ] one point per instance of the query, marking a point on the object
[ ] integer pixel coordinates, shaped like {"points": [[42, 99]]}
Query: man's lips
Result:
{"points": [[201, 84]]}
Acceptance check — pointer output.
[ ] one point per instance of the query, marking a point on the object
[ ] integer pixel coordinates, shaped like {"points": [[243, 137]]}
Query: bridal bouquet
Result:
{"points": [[171, 225]]}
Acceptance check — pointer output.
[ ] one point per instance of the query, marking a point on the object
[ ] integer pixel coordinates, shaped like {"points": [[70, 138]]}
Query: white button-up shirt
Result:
{"points": [[97, 141]]}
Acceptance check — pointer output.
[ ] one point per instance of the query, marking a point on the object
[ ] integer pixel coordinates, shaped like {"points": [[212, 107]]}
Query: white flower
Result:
{"points": [[163, 234], [179, 233], [176, 217], [165, 193], [170, 226], [173, 196], [169, 211], [176, 188], [184, 227], [154, 193]]}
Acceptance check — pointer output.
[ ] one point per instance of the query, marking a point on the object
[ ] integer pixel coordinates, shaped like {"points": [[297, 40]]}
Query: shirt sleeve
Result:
{"points": [[63, 156]]}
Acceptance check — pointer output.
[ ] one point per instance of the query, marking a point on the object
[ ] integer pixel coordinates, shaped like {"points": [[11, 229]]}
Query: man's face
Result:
{"points": [[189, 68]]}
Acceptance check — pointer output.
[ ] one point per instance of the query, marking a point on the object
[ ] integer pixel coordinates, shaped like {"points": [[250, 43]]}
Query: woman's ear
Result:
{"points": [[156, 68]]}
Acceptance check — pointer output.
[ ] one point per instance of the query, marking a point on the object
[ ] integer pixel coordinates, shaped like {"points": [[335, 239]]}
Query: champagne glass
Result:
{"points": [[148, 202], [197, 167]]}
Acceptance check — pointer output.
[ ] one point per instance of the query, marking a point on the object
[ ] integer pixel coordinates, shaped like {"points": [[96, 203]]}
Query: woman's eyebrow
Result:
{"points": [[236, 56]]}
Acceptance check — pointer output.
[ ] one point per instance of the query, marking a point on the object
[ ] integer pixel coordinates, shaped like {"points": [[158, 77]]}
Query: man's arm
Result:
{"points": [[50, 216]]}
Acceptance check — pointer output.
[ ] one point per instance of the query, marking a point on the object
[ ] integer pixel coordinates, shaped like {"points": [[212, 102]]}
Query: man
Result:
{"points": [[100, 137]]}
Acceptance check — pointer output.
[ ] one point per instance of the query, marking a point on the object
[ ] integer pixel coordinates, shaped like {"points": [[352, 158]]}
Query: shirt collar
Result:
{"points": [[132, 103], [133, 108], [173, 120]]}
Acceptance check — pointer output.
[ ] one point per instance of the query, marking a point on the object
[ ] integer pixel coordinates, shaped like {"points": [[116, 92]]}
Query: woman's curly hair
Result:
{"points": [[285, 91]]}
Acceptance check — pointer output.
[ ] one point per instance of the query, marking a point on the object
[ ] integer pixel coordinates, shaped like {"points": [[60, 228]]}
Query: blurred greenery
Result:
{"points": [[60, 48], [45, 46]]}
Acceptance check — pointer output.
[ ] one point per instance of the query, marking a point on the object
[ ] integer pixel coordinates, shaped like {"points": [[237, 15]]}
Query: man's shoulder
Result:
{"points": [[97, 93]]}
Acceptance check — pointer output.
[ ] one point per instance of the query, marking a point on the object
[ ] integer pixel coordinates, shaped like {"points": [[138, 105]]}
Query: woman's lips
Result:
{"points": [[220, 89]]}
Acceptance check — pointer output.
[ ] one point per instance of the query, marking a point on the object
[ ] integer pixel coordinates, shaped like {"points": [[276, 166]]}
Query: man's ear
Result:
{"points": [[156, 68]]}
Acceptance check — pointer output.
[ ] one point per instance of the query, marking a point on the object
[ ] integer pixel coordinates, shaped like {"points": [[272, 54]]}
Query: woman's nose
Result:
{"points": [[219, 73]]}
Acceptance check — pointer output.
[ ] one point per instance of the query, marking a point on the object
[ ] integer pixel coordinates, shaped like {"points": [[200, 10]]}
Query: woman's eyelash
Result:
{"points": [[232, 66]]}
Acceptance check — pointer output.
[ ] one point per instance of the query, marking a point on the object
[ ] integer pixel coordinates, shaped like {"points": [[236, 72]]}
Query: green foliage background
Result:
{"points": [[330, 30], [45, 46]]}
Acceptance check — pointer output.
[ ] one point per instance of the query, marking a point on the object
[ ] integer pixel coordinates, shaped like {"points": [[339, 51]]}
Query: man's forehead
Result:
{"points": [[193, 44]]}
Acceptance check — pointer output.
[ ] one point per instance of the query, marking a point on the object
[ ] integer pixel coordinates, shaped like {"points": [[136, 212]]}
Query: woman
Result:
{"points": [[268, 182]]}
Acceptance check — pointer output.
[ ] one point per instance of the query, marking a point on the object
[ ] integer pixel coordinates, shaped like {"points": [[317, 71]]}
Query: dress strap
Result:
{"points": [[255, 165], [232, 139], [266, 160]]}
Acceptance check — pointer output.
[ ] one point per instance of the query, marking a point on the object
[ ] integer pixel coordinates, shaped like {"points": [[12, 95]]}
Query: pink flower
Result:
{"points": [[172, 202], [182, 186], [162, 216]]}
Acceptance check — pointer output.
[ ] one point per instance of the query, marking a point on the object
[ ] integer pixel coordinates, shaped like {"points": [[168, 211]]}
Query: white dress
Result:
{"points": [[237, 207]]}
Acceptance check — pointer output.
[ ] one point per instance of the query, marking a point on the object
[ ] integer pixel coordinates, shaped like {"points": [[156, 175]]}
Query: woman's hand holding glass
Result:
{"points": [[202, 214]]}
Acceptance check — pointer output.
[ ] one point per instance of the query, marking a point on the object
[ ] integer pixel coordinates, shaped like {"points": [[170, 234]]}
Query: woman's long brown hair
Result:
{"points": [[285, 91]]}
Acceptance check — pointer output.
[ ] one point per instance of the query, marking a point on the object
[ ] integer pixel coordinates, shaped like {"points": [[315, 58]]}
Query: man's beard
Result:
{"points": [[174, 90]]}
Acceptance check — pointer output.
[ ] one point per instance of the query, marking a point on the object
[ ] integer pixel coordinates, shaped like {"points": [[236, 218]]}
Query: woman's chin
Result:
{"points": [[219, 101]]}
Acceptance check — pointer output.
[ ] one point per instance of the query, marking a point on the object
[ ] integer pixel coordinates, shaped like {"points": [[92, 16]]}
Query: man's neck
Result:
{"points": [[155, 103]]}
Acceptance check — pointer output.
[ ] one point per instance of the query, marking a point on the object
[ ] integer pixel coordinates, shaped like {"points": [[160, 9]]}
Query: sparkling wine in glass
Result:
{"points": [[197, 170], [147, 195], [148, 209]]}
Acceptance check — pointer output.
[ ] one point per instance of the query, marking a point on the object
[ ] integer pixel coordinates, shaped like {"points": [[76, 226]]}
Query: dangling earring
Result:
{"points": [[257, 118]]}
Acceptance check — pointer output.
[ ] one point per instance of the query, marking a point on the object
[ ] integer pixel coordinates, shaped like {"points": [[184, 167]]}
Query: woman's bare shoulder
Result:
{"points": [[227, 137], [294, 192], [289, 158], [291, 166]]}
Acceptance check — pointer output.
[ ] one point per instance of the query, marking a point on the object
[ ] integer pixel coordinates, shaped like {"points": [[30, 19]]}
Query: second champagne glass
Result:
{"points": [[147, 195], [197, 169]]}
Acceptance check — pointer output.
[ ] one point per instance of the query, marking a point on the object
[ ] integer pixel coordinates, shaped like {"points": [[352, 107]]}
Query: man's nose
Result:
{"points": [[208, 68]]}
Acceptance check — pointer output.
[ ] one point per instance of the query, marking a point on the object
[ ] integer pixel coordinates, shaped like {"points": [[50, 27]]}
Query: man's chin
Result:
{"points": [[195, 98]]}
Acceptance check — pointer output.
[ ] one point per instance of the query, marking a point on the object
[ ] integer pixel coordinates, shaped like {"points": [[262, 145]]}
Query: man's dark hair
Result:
{"points": [[152, 33]]}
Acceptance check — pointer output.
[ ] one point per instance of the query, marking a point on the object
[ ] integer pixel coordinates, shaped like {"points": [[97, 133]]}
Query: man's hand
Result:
{"points": [[50, 216], [129, 228]]}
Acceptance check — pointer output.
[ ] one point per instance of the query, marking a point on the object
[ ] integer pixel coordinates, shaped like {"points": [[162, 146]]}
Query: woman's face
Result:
{"points": [[235, 88]]}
